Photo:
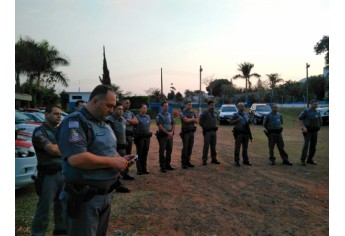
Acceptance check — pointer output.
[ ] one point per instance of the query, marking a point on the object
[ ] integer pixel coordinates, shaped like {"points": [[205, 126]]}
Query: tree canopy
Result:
{"points": [[39, 62], [245, 68], [323, 47]]}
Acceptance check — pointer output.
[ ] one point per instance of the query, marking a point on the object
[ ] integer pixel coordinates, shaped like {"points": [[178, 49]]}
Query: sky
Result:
{"points": [[179, 36]]}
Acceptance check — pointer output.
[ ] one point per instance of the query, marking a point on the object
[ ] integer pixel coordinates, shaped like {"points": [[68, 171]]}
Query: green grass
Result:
{"points": [[26, 199]]}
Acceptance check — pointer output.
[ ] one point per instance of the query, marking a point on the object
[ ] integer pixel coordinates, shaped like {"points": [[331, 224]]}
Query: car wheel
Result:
{"points": [[255, 121]]}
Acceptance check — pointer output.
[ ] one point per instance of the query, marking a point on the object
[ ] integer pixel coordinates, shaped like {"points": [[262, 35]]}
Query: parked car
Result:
{"points": [[35, 116], [226, 112], [21, 118], [258, 111], [324, 111], [25, 161]]}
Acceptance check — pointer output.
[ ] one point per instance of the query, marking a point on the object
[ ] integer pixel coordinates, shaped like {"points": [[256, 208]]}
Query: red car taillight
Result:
{"points": [[24, 149]]}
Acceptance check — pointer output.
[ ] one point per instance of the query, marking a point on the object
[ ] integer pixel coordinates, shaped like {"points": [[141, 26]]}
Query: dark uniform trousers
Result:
{"points": [[241, 139], [309, 138], [143, 145], [210, 140], [188, 142], [51, 188], [276, 138], [129, 140], [94, 213], [165, 150]]}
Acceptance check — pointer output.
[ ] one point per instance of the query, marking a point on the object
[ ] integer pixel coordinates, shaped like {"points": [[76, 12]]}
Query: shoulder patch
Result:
{"points": [[38, 134], [73, 124], [74, 136]]}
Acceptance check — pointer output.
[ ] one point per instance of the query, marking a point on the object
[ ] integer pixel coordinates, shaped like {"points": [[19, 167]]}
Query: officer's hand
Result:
{"points": [[119, 163], [128, 158]]}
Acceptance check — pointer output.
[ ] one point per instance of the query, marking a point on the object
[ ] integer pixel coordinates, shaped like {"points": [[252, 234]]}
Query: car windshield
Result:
{"points": [[263, 108], [229, 109], [21, 118], [36, 116]]}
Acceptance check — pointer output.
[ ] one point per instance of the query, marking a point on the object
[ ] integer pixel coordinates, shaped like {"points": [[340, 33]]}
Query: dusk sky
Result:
{"points": [[141, 37]]}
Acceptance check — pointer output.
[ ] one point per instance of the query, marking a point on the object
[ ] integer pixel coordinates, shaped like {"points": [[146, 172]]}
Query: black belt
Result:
{"points": [[94, 190]]}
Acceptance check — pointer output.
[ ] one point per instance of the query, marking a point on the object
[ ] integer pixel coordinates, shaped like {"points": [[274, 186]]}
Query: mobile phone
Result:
{"points": [[134, 158]]}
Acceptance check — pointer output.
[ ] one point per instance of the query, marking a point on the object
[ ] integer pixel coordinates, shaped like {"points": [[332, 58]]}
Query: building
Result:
{"points": [[75, 96], [22, 100]]}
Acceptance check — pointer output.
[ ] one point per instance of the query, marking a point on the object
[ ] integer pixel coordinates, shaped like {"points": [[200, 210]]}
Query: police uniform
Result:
{"points": [[50, 182], [242, 135], [142, 142], [118, 125], [312, 121], [208, 122], [273, 123], [130, 129], [187, 135], [165, 142], [87, 192]]}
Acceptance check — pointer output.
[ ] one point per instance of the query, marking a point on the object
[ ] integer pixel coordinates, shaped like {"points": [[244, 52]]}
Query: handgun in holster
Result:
{"points": [[77, 197]]}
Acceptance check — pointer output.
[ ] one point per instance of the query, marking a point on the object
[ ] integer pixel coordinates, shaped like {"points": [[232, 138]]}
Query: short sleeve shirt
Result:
{"points": [[42, 136], [80, 132], [165, 120]]}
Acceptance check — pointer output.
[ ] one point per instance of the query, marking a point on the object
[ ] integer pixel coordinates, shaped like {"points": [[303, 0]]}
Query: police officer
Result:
{"points": [[79, 104], [165, 134], [131, 123], [273, 129], [208, 122], [242, 134], [49, 182], [188, 120], [118, 125], [142, 139], [310, 121], [91, 165]]}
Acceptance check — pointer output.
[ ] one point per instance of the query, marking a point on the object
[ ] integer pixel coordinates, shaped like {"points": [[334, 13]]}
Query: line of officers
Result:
{"points": [[85, 157]]}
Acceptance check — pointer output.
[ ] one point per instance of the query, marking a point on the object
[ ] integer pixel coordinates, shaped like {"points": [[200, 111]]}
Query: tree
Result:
{"points": [[215, 86], [179, 97], [188, 94], [273, 80], [106, 77], [118, 91], [38, 61], [154, 94], [44, 62], [24, 51], [207, 81], [323, 47], [245, 68]]}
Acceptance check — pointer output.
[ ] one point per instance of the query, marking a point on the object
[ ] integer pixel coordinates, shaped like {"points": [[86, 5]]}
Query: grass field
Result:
{"points": [[300, 193]]}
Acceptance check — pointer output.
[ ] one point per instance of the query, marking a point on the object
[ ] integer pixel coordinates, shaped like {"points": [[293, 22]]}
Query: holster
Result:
{"points": [[38, 182], [82, 193], [77, 196]]}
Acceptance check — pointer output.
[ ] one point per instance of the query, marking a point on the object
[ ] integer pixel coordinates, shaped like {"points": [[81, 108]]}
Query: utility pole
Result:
{"points": [[161, 84], [307, 99], [200, 91]]}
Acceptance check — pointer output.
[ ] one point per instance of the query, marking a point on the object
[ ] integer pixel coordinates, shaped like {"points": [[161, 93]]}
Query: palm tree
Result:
{"points": [[24, 51], [245, 68], [273, 81], [39, 62]]}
